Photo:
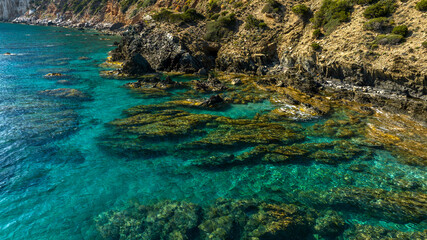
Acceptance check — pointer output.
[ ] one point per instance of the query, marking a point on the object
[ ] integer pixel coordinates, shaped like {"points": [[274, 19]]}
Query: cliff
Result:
{"points": [[10, 9]]}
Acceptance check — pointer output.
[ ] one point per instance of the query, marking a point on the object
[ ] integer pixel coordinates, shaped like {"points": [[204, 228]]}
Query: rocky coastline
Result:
{"points": [[161, 45], [364, 108]]}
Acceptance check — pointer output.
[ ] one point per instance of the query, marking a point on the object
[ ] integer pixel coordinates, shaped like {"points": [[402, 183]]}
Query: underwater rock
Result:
{"points": [[53, 75], [225, 219], [165, 123], [215, 161], [338, 128], [64, 82], [233, 132], [362, 232], [358, 167], [246, 219], [401, 207], [164, 220], [330, 224], [329, 153], [67, 93], [402, 135]]}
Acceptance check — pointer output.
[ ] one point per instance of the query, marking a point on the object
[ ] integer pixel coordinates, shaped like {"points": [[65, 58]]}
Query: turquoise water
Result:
{"points": [[56, 175]]}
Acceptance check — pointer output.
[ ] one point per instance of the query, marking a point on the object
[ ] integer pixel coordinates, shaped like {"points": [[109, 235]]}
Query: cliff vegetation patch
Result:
{"points": [[383, 8], [331, 14]]}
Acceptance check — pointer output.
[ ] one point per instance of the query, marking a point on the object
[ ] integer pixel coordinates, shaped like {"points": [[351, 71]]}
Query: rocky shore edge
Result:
{"points": [[149, 47]]}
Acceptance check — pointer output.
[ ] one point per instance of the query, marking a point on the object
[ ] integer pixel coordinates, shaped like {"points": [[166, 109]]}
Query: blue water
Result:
{"points": [[56, 176]]}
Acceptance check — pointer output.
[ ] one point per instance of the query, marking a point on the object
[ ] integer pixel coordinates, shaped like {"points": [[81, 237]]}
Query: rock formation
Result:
{"points": [[10, 9]]}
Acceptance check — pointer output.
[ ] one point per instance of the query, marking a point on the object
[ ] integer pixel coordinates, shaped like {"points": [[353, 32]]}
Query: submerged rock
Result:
{"points": [[247, 132], [330, 224], [361, 232], [164, 123], [54, 75], [395, 206], [164, 220], [226, 219], [68, 93], [84, 58]]}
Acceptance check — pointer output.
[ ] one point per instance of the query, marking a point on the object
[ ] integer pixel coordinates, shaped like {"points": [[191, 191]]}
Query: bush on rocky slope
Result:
{"points": [[301, 10], [383, 8], [272, 6], [191, 15], [331, 14], [146, 3], [389, 39], [378, 24], [400, 30], [217, 29], [253, 23], [421, 5]]}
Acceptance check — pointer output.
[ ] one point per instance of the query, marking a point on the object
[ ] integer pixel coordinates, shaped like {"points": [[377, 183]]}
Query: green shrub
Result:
{"points": [[378, 24], [362, 2], [215, 16], [389, 39], [237, 4], [383, 8], [317, 34], [253, 23], [124, 5], [331, 14], [213, 6], [272, 6], [301, 10], [191, 15], [401, 30], [145, 3], [215, 30], [315, 46], [424, 44], [421, 5]]}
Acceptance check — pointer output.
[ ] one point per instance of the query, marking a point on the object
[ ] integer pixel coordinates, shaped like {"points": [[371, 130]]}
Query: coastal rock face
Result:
{"points": [[10, 9], [161, 49]]}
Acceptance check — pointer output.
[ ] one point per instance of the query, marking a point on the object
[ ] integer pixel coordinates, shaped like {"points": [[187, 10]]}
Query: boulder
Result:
{"points": [[137, 65]]}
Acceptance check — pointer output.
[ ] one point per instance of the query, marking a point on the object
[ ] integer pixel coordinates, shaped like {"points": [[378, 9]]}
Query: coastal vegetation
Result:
{"points": [[219, 28], [421, 5], [383, 8], [331, 14]]}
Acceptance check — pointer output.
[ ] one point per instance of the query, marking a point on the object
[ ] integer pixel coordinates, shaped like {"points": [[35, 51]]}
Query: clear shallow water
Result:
{"points": [[55, 177]]}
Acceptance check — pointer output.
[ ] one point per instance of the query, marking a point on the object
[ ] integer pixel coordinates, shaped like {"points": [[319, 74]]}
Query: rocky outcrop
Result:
{"points": [[161, 49], [10, 9]]}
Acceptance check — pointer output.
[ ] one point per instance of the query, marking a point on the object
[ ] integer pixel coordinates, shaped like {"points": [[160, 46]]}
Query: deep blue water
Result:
{"points": [[55, 177]]}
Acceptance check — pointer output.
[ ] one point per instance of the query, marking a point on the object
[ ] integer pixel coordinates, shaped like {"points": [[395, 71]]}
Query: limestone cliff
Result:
{"points": [[10, 9]]}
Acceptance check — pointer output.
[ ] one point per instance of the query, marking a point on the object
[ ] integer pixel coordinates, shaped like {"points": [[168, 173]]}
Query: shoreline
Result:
{"points": [[402, 100]]}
